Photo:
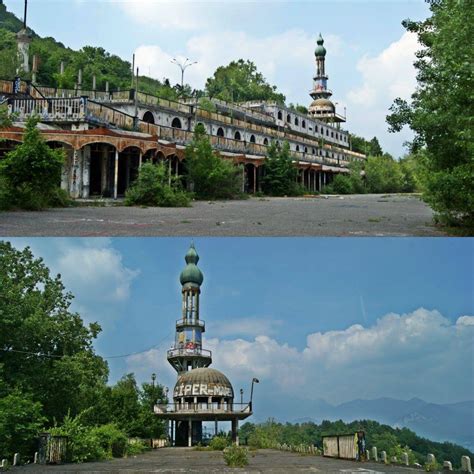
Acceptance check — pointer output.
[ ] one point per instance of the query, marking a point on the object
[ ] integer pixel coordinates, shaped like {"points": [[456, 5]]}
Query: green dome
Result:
{"points": [[191, 273], [320, 49]]}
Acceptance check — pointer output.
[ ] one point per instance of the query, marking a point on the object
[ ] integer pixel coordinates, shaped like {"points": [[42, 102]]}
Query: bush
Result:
{"points": [[152, 188], [236, 456], [212, 177], [219, 443], [20, 423], [30, 174], [280, 172], [136, 447]]}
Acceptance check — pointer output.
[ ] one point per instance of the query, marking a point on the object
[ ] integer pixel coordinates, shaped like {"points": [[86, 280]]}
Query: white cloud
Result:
{"points": [[418, 354], [91, 269], [278, 57], [386, 76], [238, 326]]}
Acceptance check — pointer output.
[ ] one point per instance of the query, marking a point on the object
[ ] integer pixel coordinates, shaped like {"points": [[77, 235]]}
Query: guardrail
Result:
{"points": [[197, 351], [189, 408]]}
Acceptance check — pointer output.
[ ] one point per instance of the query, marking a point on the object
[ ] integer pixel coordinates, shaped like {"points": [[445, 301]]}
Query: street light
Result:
{"points": [[153, 399], [183, 66], [254, 380], [241, 396]]}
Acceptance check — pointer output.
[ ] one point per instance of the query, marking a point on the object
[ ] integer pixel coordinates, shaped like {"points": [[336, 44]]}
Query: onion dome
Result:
{"points": [[322, 106], [320, 50], [191, 273], [203, 382]]}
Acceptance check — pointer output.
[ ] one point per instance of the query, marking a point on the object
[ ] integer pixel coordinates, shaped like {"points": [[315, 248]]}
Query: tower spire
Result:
{"points": [[25, 15], [187, 352]]}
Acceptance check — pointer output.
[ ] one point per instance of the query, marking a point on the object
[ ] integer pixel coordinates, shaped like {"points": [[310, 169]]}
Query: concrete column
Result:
{"points": [[235, 431], [86, 167], [216, 428], [320, 180], [35, 459], [177, 167], [116, 169], [76, 178], [367, 455], [466, 464], [169, 171], [140, 159], [4, 464], [104, 169], [383, 457], [405, 459], [243, 179], [127, 170], [254, 179], [374, 454], [65, 170], [324, 178], [16, 459], [430, 458], [190, 433], [447, 466]]}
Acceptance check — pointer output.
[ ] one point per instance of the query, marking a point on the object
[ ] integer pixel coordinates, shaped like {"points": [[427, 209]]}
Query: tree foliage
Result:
{"points": [[280, 173], [211, 176], [240, 81], [154, 187], [31, 173], [442, 108]]}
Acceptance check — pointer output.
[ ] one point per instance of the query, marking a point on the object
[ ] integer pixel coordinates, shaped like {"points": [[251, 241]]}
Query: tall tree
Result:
{"points": [[374, 147], [240, 81], [45, 348], [442, 108]]}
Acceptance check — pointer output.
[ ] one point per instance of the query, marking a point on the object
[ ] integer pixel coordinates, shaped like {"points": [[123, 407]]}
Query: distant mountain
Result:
{"points": [[449, 422]]}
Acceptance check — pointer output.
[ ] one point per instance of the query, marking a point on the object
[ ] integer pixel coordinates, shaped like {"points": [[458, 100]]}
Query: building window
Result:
{"points": [[280, 115], [297, 148], [220, 132], [252, 139], [237, 135], [303, 124], [297, 122], [314, 151], [306, 149], [288, 118], [265, 141]]}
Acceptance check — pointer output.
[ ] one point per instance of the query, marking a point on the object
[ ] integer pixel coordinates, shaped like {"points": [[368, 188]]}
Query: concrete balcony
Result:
{"points": [[203, 411], [190, 322]]}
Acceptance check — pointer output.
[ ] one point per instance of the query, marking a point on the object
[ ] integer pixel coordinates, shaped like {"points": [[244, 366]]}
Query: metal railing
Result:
{"points": [[196, 351], [190, 322], [189, 408]]}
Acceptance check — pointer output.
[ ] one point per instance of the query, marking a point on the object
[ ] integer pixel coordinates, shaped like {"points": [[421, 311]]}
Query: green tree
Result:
{"points": [[32, 172], [211, 176], [240, 81], [21, 420], [383, 175], [279, 172], [45, 349], [374, 147], [441, 109], [154, 187]]}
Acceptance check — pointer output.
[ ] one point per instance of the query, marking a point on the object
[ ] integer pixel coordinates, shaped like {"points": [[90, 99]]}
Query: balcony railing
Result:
{"points": [[201, 408], [190, 322], [196, 351]]}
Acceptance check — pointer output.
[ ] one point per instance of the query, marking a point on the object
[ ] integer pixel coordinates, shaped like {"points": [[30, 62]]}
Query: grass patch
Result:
{"points": [[374, 219], [236, 456]]}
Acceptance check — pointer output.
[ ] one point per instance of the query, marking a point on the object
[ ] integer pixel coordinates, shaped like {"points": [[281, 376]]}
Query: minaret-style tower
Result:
{"points": [[187, 353], [23, 39], [322, 108]]}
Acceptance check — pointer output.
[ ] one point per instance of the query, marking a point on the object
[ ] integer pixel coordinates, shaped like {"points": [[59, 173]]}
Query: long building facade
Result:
{"points": [[107, 135]]}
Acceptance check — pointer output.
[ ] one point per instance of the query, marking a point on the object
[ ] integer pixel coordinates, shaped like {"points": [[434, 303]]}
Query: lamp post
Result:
{"points": [[241, 396], [153, 399], [183, 66], [254, 380]]}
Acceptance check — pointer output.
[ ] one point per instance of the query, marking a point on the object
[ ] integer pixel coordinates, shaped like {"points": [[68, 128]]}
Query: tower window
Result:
{"points": [[280, 115]]}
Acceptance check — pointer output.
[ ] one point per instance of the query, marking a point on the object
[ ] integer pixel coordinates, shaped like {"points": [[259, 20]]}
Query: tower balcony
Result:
{"points": [[203, 411], [190, 351], [180, 323]]}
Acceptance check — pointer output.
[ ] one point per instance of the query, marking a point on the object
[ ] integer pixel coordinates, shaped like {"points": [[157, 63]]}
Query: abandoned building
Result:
{"points": [[201, 394], [107, 135]]}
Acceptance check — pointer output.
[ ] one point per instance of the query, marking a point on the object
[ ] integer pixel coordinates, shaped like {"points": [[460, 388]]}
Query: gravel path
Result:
{"points": [[360, 215]]}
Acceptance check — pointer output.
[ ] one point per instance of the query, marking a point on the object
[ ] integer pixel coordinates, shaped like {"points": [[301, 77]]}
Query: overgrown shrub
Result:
{"points": [[136, 447], [219, 443], [152, 188], [30, 174], [212, 177], [236, 456]]}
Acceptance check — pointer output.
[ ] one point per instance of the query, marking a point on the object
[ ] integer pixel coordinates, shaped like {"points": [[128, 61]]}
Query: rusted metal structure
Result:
{"points": [[345, 446], [201, 393]]}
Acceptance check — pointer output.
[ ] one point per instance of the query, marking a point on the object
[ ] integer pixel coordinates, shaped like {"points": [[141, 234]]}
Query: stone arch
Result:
{"points": [[252, 139], [237, 135], [8, 145], [220, 132], [265, 141], [288, 118], [280, 115], [297, 121], [297, 148], [148, 117], [176, 123]]}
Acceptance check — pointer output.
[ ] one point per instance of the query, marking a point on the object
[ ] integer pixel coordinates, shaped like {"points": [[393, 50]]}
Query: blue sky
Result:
{"points": [[303, 315], [369, 59]]}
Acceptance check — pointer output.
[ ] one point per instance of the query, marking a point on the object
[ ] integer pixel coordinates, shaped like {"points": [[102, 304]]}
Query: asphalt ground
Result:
{"points": [[187, 460], [350, 216]]}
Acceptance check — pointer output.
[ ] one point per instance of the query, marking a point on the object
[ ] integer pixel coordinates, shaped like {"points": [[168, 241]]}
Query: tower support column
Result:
{"points": [[190, 433], [235, 431]]}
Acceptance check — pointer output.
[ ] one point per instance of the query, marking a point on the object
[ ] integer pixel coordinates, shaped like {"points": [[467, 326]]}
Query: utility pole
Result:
{"points": [[24, 17]]}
